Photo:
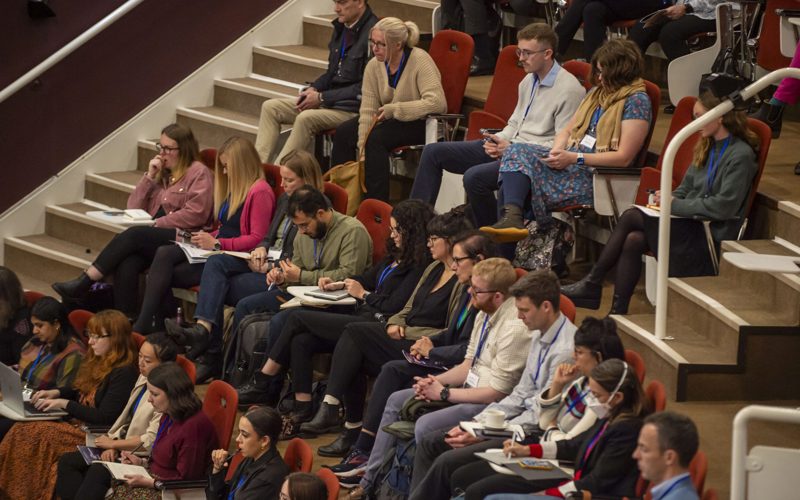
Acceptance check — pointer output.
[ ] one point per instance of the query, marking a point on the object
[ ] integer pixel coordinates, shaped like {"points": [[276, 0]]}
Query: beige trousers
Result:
{"points": [[305, 126]]}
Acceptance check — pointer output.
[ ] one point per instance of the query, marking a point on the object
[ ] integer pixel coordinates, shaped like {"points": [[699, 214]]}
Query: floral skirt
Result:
{"points": [[125, 492]]}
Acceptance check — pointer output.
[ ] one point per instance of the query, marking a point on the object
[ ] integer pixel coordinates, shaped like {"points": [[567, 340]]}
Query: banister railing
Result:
{"points": [[666, 185], [66, 50]]}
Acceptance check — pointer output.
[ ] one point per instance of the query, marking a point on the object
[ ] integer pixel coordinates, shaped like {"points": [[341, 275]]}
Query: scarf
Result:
{"points": [[609, 127]]}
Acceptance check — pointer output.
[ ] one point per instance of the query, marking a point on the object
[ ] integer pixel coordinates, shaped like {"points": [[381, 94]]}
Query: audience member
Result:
{"points": [[547, 99], [262, 472], [479, 20], [176, 191], [243, 204], [393, 106], [667, 443], [135, 428], [15, 323], [716, 187], [771, 112], [303, 486], [333, 97], [98, 396], [609, 129]]}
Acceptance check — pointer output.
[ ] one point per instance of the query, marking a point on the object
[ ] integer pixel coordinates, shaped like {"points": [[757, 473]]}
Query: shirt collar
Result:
{"points": [[549, 336], [661, 488], [550, 79], [500, 313]]}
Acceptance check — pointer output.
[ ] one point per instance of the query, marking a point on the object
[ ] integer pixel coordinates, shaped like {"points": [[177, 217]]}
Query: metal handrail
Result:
{"points": [[68, 49], [666, 185]]}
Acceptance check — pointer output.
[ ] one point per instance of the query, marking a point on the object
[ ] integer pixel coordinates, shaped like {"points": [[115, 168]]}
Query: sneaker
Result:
{"points": [[351, 481], [358, 471], [350, 462]]}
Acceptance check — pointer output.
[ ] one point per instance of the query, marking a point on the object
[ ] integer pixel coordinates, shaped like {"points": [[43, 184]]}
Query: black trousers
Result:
{"points": [[478, 480], [362, 351], [394, 376], [168, 269], [671, 35], [385, 137], [80, 481], [126, 256]]}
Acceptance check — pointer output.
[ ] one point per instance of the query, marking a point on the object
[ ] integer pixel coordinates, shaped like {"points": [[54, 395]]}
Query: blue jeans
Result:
{"points": [[468, 158]]}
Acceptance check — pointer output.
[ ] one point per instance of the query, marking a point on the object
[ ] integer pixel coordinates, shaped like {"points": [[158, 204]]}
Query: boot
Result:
{"points": [[326, 420], [342, 445], [619, 305], [257, 392], [303, 412], [484, 59], [208, 366], [74, 289], [772, 115], [194, 336], [509, 228], [586, 293]]}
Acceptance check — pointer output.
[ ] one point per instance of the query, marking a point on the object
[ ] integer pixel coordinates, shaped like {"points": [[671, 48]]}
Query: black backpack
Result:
{"points": [[246, 350]]}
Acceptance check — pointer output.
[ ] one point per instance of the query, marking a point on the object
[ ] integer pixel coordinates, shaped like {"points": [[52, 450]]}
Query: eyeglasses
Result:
{"points": [[458, 260], [304, 225], [92, 336], [379, 45], [165, 149], [434, 239], [478, 292], [524, 53]]}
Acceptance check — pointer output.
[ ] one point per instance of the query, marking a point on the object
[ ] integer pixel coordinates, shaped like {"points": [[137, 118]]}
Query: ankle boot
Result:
{"points": [[772, 115], [256, 392], [340, 447], [509, 228], [74, 289], [585, 293], [326, 420], [484, 59], [194, 336], [619, 305]]}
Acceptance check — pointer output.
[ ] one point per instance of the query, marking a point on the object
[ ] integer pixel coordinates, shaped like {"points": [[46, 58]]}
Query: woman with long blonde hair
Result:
{"points": [[717, 187], [98, 395], [243, 203]]}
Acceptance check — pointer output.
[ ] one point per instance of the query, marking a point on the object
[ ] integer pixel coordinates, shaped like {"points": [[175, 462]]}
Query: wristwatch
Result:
{"points": [[581, 159], [364, 297], [445, 394], [218, 246]]}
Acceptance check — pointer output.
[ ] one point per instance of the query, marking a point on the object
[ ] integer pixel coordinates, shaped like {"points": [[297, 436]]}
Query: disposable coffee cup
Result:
{"points": [[495, 419]]}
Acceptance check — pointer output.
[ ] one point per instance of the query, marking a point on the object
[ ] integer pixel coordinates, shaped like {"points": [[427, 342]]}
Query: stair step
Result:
{"points": [[111, 188], [787, 225], [785, 286], [35, 284], [213, 125], [317, 30], [293, 63], [41, 255], [69, 222], [246, 95], [419, 11]]}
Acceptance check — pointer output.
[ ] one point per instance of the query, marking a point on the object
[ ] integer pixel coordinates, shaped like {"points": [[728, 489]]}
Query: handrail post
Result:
{"points": [[666, 185]]}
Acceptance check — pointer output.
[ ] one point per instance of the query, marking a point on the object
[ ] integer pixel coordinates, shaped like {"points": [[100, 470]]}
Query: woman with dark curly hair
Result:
{"points": [[381, 291], [15, 324]]}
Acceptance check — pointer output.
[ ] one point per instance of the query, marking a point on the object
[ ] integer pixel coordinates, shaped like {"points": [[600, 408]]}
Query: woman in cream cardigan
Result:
{"points": [[401, 87]]}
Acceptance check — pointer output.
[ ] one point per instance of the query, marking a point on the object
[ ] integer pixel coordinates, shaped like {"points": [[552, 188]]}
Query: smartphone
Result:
{"points": [[301, 99]]}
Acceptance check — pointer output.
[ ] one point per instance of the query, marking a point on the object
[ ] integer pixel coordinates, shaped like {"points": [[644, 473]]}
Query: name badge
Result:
{"points": [[26, 394], [472, 378], [588, 141]]}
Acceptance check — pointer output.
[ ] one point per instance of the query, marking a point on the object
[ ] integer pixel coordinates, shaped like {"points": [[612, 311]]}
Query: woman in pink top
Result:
{"points": [[244, 204], [176, 192]]}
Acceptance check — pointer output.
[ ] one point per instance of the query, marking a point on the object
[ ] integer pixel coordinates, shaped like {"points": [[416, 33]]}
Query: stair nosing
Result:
{"points": [[315, 19], [111, 183], [790, 208], [84, 219], [673, 357], [217, 120], [250, 89], [708, 303], [46, 252], [419, 3], [787, 244], [790, 280], [277, 81], [285, 56]]}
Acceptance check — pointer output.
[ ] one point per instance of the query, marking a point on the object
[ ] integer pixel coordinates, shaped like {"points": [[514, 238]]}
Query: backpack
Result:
{"points": [[246, 351], [393, 480]]}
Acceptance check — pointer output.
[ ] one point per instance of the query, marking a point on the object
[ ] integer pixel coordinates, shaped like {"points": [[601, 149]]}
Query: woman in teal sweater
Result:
{"points": [[716, 187]]}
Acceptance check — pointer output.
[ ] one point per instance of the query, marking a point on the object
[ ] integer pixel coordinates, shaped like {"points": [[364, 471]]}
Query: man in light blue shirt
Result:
{"points": [[667, 443]]}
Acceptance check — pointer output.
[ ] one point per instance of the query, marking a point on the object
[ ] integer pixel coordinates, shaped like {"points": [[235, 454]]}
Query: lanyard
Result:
{"points": [[464, 313], [572, 405], [39, 359], [595, 118], [223, 210], [543, 355], [385, 274], [317, 258], [239, 484], [592, 444], [481, 340], [138, 400], [399, 70], [163, 428], [533, 92], [713, 164], [672, 487]]}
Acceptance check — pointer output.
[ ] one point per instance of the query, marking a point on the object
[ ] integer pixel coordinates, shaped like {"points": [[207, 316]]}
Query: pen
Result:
{"points": [[272, 285], [133, 450], [513, 440]]}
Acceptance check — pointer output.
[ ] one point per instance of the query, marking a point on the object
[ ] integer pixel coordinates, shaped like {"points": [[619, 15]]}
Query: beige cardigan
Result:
{"points": [[419, 92], [143, 423]]}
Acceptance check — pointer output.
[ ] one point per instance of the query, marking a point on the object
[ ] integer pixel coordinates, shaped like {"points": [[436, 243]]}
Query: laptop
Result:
{"points": [[14, 406]]}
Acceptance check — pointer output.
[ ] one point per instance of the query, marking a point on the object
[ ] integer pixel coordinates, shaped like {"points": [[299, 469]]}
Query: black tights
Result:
{"points": [[624, 249]]}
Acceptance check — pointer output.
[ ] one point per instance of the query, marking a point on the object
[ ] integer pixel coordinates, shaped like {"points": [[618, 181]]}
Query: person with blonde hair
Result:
{"points": [[176, 191], [402, 85], [98, 395], [244, 204]]}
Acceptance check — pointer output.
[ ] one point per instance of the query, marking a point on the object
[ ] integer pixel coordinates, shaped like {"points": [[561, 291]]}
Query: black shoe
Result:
{"points": [[797, 169], [74, 290], [327, 419], [208, 366], [772, 115], [481, 67], [669, 109], [584, 293], [195, 336], [341, 447], [256, 392], [620, 305]]}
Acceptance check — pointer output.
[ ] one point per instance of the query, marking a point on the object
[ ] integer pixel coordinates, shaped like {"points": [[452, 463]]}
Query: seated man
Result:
{"points": [[548, 98], [441, 452], [667, 443], [332, 98]]}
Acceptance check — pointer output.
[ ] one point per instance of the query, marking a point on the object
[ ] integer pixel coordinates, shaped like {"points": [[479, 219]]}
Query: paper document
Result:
{"points": [[119, 471], [196, 255]]}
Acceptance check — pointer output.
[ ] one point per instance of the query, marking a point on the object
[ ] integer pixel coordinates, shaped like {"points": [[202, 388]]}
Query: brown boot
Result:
{"points": [[509, 228]]}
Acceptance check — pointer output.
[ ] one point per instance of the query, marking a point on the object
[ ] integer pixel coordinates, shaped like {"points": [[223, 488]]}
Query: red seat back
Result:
{"points": [[502, 97], [764, 134], [209, 157], [220, 406], [710, 494], [298, 456], [331, 482], [769, 54], [567, 307], [656, 395], [138, 338], [452, 51], [188, 367], [375, 214], [78, 319], [634, 359], [338, 197], [272, 173], [31, 297], [580, 70], [698, 468], [654, 93], [235, 461]]}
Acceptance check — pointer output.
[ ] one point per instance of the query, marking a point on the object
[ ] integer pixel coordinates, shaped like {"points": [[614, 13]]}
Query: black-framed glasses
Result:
{"points": [[458, 260], [478, 292], [165, 149], [380, 45], [434, 239], [524, 53], [92, 336]]}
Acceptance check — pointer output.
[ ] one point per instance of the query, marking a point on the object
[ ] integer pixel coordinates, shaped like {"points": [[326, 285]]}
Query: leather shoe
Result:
{"points": [[620, 305], [669, 109], [257, 392], [327, 419], [584, 293], [208, 366], [194, 336], [341, 446]]}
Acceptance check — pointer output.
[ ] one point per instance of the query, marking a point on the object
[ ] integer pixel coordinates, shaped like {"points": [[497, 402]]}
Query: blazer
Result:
{"points": [[143, 422], [281, 211], [263, 479]]}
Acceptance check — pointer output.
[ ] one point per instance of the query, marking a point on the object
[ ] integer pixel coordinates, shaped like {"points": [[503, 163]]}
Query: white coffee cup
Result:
{"points": [[494, 418]]}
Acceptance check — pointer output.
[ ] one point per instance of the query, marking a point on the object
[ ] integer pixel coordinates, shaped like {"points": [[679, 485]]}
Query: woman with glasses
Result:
{"points": [[243, 204], [96, 397], [401, 87], [381, 291], [177, 192]]}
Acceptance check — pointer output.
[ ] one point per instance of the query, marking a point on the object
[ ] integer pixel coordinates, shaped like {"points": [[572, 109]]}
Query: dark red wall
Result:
{"points": [[47, 125]]}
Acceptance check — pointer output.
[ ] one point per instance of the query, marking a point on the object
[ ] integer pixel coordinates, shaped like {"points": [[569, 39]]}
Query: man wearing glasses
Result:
{"points": [[332, 98], [548, 98]]}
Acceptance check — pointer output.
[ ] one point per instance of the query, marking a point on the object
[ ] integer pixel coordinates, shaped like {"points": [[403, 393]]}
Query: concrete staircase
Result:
{"points": [[71, 240], [735, 336]]}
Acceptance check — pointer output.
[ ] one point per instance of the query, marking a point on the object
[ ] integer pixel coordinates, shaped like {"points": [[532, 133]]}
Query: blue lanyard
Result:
{"points": [[543, 355], [166, 423], [464, 312], [317, 258], [223, 210], [672, 487], [341, 50], [385, 274], [399, 70], [713, 164], [530, 103], [598, 112], [239, 484], [482, 340], [39, 359], [138, 399]]}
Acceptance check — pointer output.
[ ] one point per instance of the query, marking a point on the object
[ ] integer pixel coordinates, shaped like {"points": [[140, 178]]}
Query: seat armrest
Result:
{"points": [[96, 429], [180, 484], [626, 171], [446, 116]]}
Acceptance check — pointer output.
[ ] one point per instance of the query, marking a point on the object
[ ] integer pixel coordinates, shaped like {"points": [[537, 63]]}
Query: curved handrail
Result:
{"points": [[666, 185], [67, 49]]}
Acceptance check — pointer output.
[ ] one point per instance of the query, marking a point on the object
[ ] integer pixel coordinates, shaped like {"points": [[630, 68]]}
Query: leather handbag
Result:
{"points": [[350, 176]]}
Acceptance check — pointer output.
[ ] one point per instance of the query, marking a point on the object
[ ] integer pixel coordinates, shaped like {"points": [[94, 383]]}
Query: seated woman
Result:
{"points": [[15, 324], [176, 191], [401, 87], [227, 279], [603, 454], [98, 396], [182, 446], [243, 202], [54, 354], [382, 291], [716, 188], [609, 129], [595, 16], [262, 472], [363, 348], [303, 486], [135, 428]]}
